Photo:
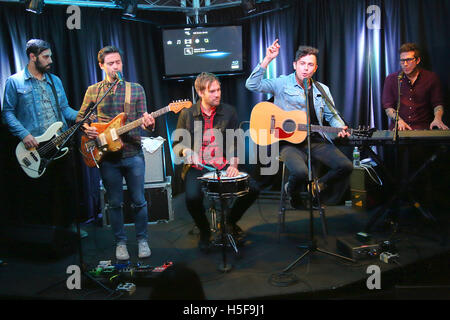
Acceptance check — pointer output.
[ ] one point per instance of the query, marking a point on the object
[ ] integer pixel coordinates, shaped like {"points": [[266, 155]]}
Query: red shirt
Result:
{"points": [[417, 101], [211, 152]]}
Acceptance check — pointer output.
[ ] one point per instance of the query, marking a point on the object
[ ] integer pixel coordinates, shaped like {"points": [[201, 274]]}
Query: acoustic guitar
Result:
{"points": [[270, 124], [108, 139]]}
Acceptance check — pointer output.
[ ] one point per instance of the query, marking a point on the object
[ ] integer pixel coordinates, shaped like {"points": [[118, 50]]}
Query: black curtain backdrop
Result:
{"points": [[354, 59]]}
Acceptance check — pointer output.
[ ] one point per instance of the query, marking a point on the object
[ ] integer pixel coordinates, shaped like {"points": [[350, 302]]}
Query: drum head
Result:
{"points": [[223, 175], [226, 187]]}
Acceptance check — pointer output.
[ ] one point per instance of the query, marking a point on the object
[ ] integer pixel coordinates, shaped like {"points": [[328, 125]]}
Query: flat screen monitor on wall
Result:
{"points": [[189, 51]]}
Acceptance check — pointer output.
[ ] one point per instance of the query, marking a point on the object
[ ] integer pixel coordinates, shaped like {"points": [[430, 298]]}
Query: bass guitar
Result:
{"points": [[34, 161], [270, 124], [108, 139]]}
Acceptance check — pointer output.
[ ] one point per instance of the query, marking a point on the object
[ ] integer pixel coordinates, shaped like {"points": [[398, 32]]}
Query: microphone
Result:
{"points": [[305, 83], [209, 168], [118, 76], [88, 112], [400, 75]]}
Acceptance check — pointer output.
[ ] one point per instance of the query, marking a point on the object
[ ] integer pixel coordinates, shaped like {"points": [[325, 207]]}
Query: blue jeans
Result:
{"points": [[112, 172]]}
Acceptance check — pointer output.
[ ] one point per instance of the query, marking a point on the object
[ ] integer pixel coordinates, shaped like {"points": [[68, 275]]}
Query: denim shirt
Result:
{"points": [[22, 110], [289, 95]]}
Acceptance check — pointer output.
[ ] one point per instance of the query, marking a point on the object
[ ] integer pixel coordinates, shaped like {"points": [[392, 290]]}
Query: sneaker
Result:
{"points": [[286, 188], [144, 250], [122, 252], [296, 200]]}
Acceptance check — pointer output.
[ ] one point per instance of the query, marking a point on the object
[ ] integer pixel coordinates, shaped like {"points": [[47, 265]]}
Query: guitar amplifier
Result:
{"points": [[155, 163], [159, 203]]}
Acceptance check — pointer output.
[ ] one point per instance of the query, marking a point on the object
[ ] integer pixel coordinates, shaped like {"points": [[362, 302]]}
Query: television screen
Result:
{"points": [[189, 51]]}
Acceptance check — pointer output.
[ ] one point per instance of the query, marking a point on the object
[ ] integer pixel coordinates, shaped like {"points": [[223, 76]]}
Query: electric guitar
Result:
{"points": [[270, 124], [108, 139], [34, 161]]}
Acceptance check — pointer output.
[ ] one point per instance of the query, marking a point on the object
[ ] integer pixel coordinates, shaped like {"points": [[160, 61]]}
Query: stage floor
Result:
{"points": [[422, 270]]}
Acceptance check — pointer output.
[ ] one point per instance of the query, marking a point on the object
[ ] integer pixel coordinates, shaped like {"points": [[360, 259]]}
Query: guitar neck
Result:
{"points": [[66, 134], [317, 128], [138, 122], [61, 139]]}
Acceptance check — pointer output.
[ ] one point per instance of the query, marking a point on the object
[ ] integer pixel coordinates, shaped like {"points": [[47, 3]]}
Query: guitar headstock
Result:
{"points": [[363, 132], [179, 105]]}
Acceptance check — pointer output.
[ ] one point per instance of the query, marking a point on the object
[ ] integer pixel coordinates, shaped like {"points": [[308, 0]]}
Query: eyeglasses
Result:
{"points": [[409, 60]]}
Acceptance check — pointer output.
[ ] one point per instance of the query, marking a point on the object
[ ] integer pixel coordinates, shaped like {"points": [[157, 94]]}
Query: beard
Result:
{"points": [[214, 102], [41, 68]]}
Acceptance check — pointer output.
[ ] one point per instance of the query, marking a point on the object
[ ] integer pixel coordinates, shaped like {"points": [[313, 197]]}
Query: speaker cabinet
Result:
{"points": [[365, 192], [159, 203]]}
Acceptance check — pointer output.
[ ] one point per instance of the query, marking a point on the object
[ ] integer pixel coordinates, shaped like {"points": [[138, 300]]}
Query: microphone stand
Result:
{"points": [[82, 265], [397, 176], [311, 247], [396, 145], [90, 109], [400, 186], [224, 267], [94, 107], [225, 236]]}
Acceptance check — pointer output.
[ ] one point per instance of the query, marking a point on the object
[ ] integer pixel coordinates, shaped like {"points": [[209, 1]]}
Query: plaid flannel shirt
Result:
{"points": [[112, 105]]}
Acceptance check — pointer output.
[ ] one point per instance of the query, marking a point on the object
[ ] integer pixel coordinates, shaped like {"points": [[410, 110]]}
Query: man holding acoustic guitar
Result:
{"points": [[126, 159], [290, 99]]}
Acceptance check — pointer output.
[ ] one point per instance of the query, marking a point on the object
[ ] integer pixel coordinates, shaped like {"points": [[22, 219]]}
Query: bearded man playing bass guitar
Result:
{"points": [[35, 102], [128, 162], [288, 92]]}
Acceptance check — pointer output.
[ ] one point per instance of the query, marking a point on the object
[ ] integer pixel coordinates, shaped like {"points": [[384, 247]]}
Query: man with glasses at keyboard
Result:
{"points": [[421, 108], [421, 98]]}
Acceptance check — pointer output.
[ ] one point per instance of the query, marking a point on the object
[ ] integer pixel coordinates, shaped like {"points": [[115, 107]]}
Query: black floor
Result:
{"points": [[421, 271]]}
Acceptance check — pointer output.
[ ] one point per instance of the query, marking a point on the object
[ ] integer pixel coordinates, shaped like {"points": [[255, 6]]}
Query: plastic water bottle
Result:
{"points": [[356, 158]]}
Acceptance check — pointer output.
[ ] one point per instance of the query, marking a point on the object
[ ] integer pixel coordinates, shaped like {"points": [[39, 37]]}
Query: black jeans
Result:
{"points": [[194, 200], [47, 200], [295, 158]]}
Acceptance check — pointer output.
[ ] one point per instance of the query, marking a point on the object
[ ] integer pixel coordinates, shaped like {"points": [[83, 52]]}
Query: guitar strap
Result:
{"points": [[127, 104], [328, 100], [52, 85]]}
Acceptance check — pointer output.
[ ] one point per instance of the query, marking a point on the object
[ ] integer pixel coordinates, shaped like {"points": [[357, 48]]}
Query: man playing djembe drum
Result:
{"points": [[208, 121]]}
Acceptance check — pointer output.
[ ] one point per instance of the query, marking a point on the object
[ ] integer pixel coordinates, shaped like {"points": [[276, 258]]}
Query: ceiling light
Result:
{"points": [[130, 8], [249, 6], [35, 6]]}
